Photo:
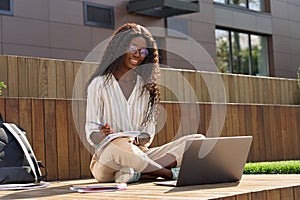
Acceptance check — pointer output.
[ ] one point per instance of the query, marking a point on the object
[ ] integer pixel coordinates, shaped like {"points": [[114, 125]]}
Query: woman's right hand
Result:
{"points": [[106, 129]]}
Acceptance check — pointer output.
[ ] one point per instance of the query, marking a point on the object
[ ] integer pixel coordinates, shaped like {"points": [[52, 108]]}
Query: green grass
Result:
{"points": [[277, 167]]}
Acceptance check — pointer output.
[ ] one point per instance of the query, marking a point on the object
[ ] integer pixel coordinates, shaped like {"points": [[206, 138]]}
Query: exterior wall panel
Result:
{"points": [[55, 29]]}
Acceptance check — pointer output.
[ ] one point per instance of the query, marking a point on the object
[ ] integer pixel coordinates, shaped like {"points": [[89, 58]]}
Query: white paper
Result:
{"points": [[24, 186], [98, 188]]}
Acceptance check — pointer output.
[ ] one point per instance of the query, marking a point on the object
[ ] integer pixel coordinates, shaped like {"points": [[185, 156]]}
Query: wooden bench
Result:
{"points": [[55, 128]]}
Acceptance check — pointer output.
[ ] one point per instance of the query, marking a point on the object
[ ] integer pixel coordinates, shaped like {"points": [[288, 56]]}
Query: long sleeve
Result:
{"points": [[106, 104], [150, 129], [94, 107]]}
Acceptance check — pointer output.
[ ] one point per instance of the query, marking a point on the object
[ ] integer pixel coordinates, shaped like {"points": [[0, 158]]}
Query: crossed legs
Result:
{"points": [[156, 162]]}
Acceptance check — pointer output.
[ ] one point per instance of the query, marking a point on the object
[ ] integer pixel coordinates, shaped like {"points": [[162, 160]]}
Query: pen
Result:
{"points": [[99, 124]]}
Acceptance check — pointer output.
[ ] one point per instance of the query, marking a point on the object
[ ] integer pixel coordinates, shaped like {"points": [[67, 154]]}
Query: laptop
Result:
{"points": [[212, 160]]}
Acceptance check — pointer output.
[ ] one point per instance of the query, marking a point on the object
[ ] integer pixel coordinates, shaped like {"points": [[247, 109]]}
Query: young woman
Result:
{"points": [[122, 94]]}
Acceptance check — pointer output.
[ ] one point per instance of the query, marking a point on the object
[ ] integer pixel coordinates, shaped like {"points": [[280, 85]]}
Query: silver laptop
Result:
{"points": [[212, 160]]}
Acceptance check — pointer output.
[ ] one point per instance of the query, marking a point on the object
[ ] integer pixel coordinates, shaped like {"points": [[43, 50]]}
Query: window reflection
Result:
{"points": [[257, 5], [223, 55], [242, 3], [259, 53], [220, 1], [242, 53]]}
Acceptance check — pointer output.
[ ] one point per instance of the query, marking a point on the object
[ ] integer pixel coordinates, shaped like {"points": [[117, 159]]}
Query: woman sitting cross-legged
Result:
{"points": [[122, 94]]}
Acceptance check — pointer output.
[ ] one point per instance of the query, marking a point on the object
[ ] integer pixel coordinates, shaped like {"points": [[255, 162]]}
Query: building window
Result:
{"points": [[242, 53], [6, 7], [98, 15], [257, 5]]}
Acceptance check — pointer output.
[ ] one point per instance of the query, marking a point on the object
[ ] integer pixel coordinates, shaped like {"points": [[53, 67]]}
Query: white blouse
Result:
{"points": [[106, 103]]}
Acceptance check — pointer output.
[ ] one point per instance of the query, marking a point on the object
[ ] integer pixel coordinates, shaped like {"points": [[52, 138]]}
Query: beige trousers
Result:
{"points": [[122, 152]]}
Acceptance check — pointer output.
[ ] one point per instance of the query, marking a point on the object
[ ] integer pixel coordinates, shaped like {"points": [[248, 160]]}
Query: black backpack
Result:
{"points": [[17, 160]]}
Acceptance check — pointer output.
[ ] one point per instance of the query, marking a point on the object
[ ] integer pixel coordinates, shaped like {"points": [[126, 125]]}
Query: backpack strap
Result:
{"points": [[17, 133], [1, 119]]}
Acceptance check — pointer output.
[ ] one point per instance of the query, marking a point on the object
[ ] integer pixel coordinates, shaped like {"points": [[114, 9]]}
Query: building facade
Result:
{"points": [[253, 37]]}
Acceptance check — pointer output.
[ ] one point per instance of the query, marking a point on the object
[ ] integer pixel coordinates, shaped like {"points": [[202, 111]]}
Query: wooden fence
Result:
{"points": [[55, 128], [48, 78]]}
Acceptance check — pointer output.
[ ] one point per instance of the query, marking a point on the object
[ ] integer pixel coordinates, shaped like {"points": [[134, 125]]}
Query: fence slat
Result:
{"points": [[198, 85], [38, 131], [169, 128], [52, 78], [85, 155], [2, 108], [294, 133], [278, 123], [241, 119], [202, 128], [12, 110], [248, 127], [61, 79], [70, 78], [51, 139], [23, 77], [273, 194], [296, 192], [73, 144], [185, 87], [43, 79], [284, 132], [25, 117], [161, 134], [33, 77], [272, 130], [13, 81], [260, 133], [4, 73], [287, 193], [177, 120], [208, 118], [62, 140], [194, 116]]}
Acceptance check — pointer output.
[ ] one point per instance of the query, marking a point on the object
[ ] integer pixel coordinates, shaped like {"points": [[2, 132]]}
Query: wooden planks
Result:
{"points": [[258, 187], [51, 139], [55, 128], [73, 143], [4, 72], [53, 134], [62, 139], [48, 78]]}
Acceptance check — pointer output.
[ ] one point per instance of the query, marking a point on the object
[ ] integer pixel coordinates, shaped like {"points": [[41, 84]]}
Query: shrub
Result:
{"points": [[2, 85], [278, 167]]}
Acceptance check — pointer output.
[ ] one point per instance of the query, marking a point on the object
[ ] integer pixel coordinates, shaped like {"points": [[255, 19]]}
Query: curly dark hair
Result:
{"points": [[149, 69]]}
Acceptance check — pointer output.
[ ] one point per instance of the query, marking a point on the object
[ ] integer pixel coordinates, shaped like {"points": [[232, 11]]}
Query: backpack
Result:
{"points": [[18, 163]]}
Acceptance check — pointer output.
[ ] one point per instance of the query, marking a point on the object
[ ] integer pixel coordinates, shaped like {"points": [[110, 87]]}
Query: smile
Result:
{"points": [[134, 62]]}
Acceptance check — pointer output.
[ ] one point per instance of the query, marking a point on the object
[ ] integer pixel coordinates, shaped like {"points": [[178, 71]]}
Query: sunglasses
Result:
{"points": [[133, 49]]}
